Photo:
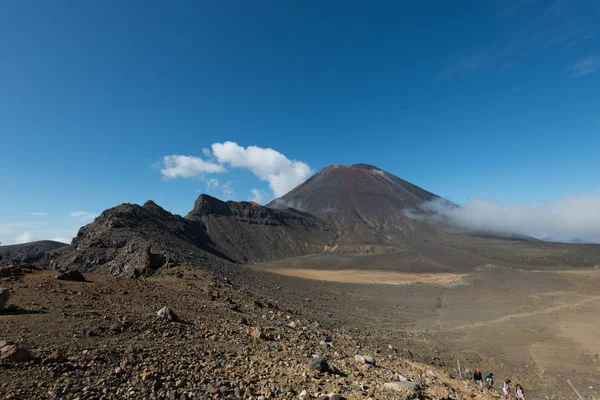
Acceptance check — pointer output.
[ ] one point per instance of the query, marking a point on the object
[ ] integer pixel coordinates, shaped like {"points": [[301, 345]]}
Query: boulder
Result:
{"points": [[4, 296], [66, 274], [12, 352], [168, 314]]}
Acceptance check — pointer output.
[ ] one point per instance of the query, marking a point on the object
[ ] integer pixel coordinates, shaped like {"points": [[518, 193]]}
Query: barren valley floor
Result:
{"points": [[535, 327]]}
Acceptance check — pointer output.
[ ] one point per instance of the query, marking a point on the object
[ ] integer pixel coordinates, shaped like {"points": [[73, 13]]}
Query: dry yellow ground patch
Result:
{"points": [[372, 276]]}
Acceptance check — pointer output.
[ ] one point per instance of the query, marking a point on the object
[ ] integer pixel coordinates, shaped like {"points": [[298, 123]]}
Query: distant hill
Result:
{"points": [[28, 252]]}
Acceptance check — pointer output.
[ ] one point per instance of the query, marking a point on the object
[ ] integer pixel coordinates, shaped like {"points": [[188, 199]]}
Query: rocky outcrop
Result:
{"points": [[135, 240], [246, 231]]}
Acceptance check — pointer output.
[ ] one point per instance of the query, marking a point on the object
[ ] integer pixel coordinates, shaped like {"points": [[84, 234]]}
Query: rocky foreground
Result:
{"points": [[188, 335]]}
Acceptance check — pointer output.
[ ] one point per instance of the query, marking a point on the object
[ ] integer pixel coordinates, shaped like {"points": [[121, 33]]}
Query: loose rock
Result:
{"points": [[404, 387], [54, 357], [65, 274], [318, 364], [12, 352], [211, 389], [4, 296], [256, 333], [167, 314], [439, 392], [365, 359]]}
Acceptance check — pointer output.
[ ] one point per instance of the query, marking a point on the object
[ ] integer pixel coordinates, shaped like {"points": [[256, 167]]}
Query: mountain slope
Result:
{"points": [[249, 232]]}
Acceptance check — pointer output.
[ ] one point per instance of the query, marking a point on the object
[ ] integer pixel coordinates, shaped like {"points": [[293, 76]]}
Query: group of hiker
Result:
{"points": [[508, 391]]}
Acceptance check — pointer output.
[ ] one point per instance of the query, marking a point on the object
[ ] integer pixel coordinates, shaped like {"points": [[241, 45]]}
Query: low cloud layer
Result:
{"points": [[573, 218], [281, 173]]}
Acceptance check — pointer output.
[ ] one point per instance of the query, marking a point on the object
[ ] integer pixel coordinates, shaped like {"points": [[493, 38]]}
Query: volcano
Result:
{"points": [[366, 205]]}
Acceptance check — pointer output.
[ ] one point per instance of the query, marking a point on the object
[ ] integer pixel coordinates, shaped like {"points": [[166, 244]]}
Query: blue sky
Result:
{"points": [[496, 100]]}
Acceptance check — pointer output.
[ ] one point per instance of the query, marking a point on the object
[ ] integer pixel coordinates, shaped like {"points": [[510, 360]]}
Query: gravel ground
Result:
{"points": [[103, 339]]}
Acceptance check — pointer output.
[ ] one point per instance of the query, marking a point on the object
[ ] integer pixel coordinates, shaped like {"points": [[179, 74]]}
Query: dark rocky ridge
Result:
{"points": [[133, 240], [249, 232]]}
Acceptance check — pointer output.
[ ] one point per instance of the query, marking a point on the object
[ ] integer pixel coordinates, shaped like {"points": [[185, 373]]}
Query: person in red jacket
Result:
{"points": [[478, 378]]}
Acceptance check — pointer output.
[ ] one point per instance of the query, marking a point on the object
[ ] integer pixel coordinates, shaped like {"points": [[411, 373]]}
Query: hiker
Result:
{"points": [[519, 392], [477, 378], [506, 389], [489, 381]]}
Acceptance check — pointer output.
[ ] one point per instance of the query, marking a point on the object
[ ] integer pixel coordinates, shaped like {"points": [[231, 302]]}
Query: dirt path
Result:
{"points": [[509, 317]]}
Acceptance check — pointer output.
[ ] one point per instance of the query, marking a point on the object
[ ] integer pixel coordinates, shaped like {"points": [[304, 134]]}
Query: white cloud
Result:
{"points": [[207, 153], [83, 216], [585, 66], [62, 239], [267, 164], [38, 214], [177, 166], [571, 218], [4, 227], [257, 196], [227, 190], [212, 183], [24, 237]]}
